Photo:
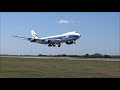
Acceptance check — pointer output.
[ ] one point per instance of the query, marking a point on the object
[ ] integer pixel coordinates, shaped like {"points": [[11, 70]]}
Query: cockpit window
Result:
{"points": [[75, 31]]}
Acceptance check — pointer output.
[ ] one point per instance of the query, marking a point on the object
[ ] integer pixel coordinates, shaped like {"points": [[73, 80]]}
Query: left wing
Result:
{"points": [[31, 39], [21, 37]]}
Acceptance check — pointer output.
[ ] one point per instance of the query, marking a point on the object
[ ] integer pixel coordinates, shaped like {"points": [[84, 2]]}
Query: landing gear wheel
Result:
{"points": [[59, 45], [54, 45], [49, 45]]}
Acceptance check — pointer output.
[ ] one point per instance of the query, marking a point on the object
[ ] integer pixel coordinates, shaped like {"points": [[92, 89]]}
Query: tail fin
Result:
{"points": [[34, 35]]}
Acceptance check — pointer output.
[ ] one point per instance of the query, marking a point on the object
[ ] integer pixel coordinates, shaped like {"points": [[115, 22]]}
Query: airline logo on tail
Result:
{"points": [[34, 35]]}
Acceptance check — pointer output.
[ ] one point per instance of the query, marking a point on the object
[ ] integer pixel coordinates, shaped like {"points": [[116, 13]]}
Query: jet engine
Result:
{"points": [[69, 42]]}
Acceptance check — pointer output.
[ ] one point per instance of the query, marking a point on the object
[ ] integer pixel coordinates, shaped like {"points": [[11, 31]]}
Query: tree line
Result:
{"points": [[96, 55]]}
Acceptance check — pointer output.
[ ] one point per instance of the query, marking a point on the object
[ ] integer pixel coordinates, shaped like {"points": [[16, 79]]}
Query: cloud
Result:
{"points": [[63, 21]]}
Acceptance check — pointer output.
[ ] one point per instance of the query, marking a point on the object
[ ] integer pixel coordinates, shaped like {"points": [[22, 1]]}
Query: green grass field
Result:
{"points": [[57, 68]]}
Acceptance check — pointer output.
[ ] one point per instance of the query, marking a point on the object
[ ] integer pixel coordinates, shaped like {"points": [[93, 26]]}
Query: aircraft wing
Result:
{"points": [[20, 37], [54, 41], [24, 38], [31, 39]]}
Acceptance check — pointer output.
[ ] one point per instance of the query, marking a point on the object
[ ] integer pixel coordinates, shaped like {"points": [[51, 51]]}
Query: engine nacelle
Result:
{"points": [[48, 41], [51, 41], [69, 42]]}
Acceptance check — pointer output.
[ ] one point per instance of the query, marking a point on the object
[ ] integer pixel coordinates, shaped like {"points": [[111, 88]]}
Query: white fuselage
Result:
{"points": [[68, 38], [61, 38]]}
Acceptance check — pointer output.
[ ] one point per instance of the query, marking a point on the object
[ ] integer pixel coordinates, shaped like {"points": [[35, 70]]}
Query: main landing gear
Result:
{"points": [[49, 45]]}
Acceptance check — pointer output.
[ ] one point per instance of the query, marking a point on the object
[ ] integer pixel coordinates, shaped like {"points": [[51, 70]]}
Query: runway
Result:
{"points": [[68, 58]]}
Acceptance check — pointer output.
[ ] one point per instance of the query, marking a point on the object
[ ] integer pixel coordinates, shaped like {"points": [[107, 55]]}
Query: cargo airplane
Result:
{"points": [[68, 38]]}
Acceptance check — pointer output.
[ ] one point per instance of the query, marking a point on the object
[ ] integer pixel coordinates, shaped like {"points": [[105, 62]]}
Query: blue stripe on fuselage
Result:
{"points": [[62, 38]]}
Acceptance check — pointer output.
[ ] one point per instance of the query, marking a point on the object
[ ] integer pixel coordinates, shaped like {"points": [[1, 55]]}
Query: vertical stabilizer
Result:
{"points": [[34, 35]]}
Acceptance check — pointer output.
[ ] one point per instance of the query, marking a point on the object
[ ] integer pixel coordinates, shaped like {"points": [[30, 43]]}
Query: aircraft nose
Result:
{"points": [[79, 35]]}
